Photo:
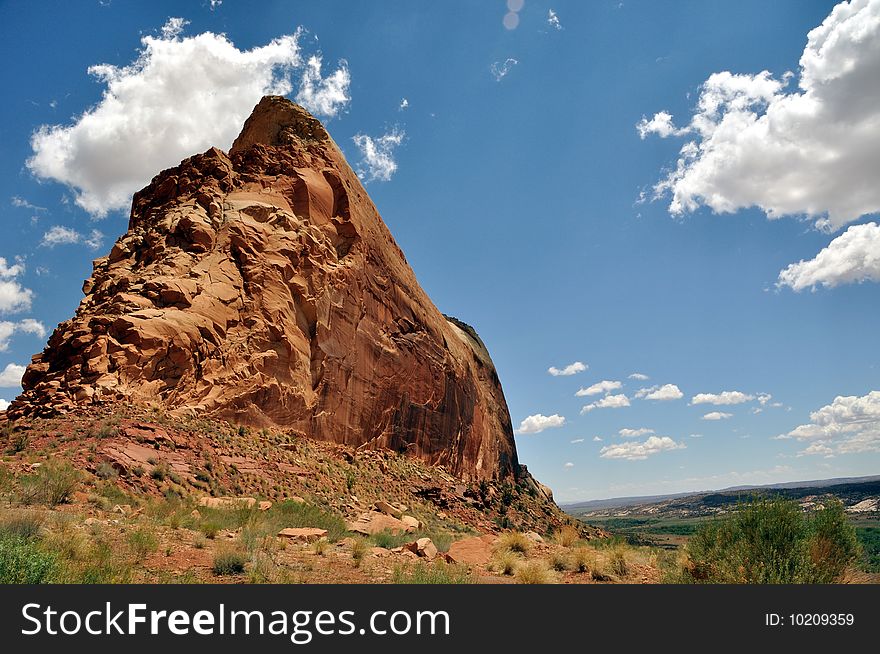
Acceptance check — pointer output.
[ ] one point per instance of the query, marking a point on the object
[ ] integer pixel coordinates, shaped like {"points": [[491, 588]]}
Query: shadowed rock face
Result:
{"points": [[262, 287]]}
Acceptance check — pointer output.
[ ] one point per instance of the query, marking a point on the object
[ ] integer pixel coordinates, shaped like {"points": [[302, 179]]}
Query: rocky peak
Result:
{"points": [[262, 287], [278, 121]]}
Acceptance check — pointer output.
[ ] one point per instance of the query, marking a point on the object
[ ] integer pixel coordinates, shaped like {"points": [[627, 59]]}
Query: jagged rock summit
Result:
{"points": [[262, 287]]}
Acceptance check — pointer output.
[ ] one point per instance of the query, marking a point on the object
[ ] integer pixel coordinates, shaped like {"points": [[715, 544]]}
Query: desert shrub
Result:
{"points": [[229, 562], [534, 572], [209, 529], [506, 563], [142, 543], [562, 561], [617, 560], [17, 439], [24, 561], [771, 541], [566, 536], [359, 549], [584, 559], [160, 471], [53, 483], [106, 471], [431, 573], [514, 541], [320, 546]]}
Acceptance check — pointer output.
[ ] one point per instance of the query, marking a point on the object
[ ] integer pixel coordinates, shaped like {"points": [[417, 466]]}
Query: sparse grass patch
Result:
{"points": [[534, 572], [439, 572], [506, 562], [584, 559], [25, 525], [566, 536], [561, 561], [617, 560], [359, 549], [514, 541], [320, 546], [142, 543]]}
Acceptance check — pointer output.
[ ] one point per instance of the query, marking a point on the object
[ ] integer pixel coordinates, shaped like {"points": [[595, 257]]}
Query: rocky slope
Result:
{"points": [[261, 287]]}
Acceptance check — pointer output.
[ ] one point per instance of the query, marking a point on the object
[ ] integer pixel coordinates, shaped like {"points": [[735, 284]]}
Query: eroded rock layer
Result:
{"points": [[262, 287]]}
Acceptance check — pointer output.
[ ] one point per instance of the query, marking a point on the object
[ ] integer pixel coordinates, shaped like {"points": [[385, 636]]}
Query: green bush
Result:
{"points": [[771, 541], [53, 483], [22, 561], [229, 562]]}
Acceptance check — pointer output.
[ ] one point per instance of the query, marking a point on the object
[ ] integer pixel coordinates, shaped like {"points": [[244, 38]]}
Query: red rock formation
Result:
{"points": [[262, 287]]}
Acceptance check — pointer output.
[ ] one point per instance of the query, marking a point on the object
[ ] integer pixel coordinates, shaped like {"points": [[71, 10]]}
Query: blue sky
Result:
{"points": [[540, 183]]}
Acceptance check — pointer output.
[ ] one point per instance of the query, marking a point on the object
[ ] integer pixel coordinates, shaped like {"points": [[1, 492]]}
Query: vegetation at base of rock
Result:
{"points": [[771, 541]]}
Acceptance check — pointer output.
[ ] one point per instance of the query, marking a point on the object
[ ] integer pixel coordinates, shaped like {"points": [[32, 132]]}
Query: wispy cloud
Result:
{"points": [[500, 69], [378, 162], [59, 235]]}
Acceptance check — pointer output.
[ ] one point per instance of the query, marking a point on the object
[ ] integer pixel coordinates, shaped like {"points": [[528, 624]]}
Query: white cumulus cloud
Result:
{"points": [[850, 424], [378, 163], [717, 415], [638, 450], [722, 398], [28, 325], [577, 440], [639, 376], [811, 151], [13, 296], [10, 377], [604, 386], [4, 404], [568, 464], [553, 20], [635, 433], [852, 257], [663, 393], [570, 369], [607, 402], [180, 96], [661, 125], [537, 423]]}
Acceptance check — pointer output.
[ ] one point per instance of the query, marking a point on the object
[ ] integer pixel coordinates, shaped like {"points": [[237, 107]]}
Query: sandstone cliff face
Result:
{"points": [[262, 287]]}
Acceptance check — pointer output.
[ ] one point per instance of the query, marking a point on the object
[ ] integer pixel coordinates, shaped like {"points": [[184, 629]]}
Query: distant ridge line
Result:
{"points": [[617, 502]]}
